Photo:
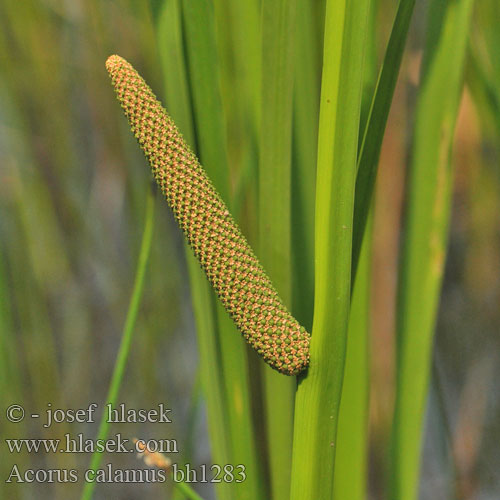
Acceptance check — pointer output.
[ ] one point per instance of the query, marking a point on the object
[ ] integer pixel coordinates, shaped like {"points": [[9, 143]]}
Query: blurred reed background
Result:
{"points": [[73, 191]]}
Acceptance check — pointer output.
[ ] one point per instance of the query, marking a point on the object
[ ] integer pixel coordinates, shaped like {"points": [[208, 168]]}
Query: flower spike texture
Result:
{"points": [[223, 252]]}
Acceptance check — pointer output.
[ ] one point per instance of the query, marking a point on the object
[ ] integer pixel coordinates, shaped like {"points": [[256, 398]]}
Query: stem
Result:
{"points": [[318, 395]]}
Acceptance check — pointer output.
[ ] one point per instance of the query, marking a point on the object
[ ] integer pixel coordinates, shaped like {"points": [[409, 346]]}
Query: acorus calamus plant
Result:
{"points": [[231, 266]]}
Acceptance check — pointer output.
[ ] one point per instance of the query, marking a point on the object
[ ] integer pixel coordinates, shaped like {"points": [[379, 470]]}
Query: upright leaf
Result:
{"points": [[425, 236]]}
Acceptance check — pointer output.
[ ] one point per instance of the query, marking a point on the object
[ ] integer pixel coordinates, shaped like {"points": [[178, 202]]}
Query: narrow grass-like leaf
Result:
{"points": [[305, 143], [169, 32], [351, 457], [126, 340], [278, 23], [219, 345], [319, 391], [375, 128], [205, 84], [187, 491], [11, 389], [168, 26], [238, 36], [425, 237], [351, 460], [9, 368], [201, 54], [237, 384], [211, 370], [485, 37], [190, 443], [484, 90]]}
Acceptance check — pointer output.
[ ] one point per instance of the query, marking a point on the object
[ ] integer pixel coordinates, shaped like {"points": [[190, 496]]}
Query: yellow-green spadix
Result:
{"points": [[232, 268]]}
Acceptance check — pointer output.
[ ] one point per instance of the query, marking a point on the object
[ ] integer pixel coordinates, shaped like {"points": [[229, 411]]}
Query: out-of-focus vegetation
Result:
{"points": [[73, 191]]}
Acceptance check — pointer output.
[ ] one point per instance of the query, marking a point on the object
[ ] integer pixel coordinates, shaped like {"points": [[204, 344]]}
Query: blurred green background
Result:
{"points": [[73, 187]]}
